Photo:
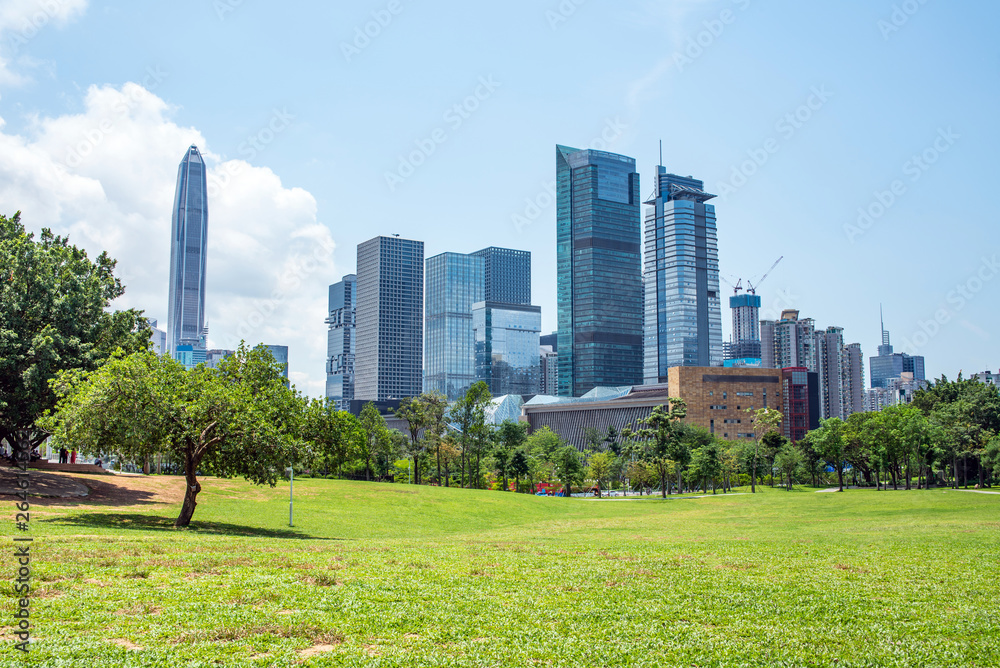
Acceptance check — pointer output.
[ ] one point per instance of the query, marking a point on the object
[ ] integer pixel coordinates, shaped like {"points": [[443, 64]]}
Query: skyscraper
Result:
{"points": [[854, 380], [830, 362], [454, 283], [599, 266], [789, 342], [188, 251], [341, 341], [280, 355], [889, 365], [507, 347], [507, 275], [745, 345], [390, 311], [683, 324]]}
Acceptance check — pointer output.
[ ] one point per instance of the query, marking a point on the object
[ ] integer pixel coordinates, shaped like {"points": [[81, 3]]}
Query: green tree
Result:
{"points": [[788, 460], [510, 437], [54, 318], [435, 413], [569, 468], [831, 445], [600, 467], [592, 438], [377, 442], [519, 467], [240, 420], [706, 464], [469, 416], [661, 435], [772, 443], [335, 437], [764, 420], [413, 411]]}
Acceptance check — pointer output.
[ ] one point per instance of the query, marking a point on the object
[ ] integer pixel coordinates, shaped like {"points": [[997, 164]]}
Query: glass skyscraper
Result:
{"points": [[280, 354], [599, 265], [454, 283], [188, 251], [683, 305], [390, 314], [889, 365], [507, 275], [341, 341], [507, 349]]}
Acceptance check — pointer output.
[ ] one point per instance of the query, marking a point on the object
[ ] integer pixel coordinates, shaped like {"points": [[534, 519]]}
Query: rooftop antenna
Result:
{"points": [[661, 153]]}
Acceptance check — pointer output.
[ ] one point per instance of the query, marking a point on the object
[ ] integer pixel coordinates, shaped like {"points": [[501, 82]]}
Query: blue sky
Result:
{"points": [[796, 114]]}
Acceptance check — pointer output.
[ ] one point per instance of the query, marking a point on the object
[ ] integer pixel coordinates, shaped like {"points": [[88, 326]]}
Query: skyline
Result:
{"points": [[793, 142]]}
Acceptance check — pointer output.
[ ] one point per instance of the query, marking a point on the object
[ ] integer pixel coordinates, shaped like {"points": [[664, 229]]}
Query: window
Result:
{"points": [[717, 408], [744, 394]]}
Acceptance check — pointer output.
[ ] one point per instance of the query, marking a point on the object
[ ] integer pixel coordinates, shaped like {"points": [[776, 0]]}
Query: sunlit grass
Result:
{"points": [[392, 575]]}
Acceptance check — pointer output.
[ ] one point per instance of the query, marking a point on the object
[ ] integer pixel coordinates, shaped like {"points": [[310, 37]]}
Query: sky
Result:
{"points": [[856, 139]]}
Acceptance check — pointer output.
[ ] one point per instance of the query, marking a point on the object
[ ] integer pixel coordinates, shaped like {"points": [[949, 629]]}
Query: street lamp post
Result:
{"points": [[291, 487]]}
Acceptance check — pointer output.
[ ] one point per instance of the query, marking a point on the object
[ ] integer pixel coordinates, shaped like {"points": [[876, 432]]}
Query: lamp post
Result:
{"points": [[291, 486]]}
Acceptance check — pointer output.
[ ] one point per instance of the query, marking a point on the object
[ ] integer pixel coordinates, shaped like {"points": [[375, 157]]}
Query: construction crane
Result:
{"points": [[752, 289], [736, 288]]}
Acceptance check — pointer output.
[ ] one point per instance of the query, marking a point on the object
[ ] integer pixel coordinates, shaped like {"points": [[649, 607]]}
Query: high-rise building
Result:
{"points": [[789, 342], [390, 312], [800, 392], [599, 266], [454, 282], [280, 354], [830, 366], [214, 357], [989, 378], [506, 340], [683, 325], [889, 365], [745, 345], [188, 252], [157, 337], [549, 360], [854, 380], [341, 341], [506, 274]]}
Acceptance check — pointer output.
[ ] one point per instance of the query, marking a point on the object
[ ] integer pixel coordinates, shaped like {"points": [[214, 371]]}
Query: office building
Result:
{"points": [[989, 378], [788, 342], [854, 380], [506, 346], [454, 283], [188, 254], [157, 338], [745, 346], [506, 275], [897, 392], [717, 400], [801, 402], [341, 341], [280, 355], [599, 268], [549, 361], [683, 306], [889, 365], [390, 315], [214, 357]]}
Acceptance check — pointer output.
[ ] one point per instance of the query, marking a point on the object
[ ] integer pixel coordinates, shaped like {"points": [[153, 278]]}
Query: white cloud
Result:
{"points": [[106, 178], [20, 21]]}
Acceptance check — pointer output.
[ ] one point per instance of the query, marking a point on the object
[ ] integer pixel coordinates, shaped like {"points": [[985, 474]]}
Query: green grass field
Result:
{"points": [[391, 575]]}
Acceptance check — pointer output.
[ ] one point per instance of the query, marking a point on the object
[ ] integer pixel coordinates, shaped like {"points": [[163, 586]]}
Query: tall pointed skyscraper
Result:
{"points": [[188, 251]]}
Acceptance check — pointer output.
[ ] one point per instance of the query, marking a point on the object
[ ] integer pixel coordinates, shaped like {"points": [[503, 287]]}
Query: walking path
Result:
{"points": [[976, 491], [832, 489]]}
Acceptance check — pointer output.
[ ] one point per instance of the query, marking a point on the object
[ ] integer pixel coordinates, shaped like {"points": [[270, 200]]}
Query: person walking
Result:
{"points": [[72, 457]]}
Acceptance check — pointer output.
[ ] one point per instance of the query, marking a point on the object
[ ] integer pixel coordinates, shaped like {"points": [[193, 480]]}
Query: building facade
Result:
{"points": [[454, 282], [214, 357], [157, 338], [830, 366], [746, 343], [506, 346], [390, 312], [280, 355], [683, 306], [341, 341], [889, 365], [854, 380], [549, 362], [599, 267], [188, 257], [801, 401], [506, 275], [788, 342]]}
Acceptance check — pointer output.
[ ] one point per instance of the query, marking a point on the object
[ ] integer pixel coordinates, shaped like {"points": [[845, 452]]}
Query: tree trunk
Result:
{"points": [[191, 490], [463, 466], [954, 465], [438, 451], [663, 485], [680, 481], [753, 476], [840, 477]]}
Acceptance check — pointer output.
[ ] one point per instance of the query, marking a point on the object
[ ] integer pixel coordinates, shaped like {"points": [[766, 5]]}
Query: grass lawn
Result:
{"points": [[391, 575]]}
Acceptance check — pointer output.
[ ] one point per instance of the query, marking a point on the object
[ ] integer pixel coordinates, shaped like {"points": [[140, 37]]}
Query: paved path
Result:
{"points": [[976, 491], [832, 489]]}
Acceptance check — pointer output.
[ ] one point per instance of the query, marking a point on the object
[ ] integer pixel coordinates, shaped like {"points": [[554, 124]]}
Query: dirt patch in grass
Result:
{"points": [[119, 491], [127, 644]]}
